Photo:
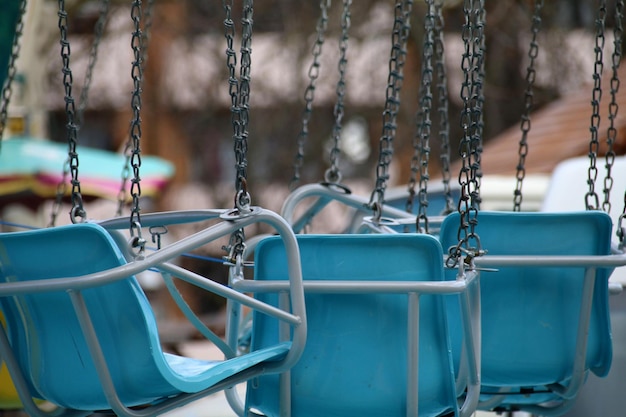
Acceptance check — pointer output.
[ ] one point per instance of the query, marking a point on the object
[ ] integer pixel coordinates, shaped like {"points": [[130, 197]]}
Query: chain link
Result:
{"points": [[472, 64], [525, 124], [401, 27], [309, 93], [591, 197], [77, 212], [479, 48], [421, 140], [239, 90], [84, 95], [333, 174], [93, 57], [611, 134], [442, 97], [135, 127], [145, 40], [7, 91]]}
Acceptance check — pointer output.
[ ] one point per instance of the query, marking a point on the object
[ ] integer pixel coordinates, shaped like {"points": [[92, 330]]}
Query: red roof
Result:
{"points": [[559, 131]]}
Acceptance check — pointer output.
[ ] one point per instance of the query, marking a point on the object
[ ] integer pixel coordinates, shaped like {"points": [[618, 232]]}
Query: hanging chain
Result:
{"points": [[442, 96], [476, 148], [77, 212], [619, 17], [611, 134], [7, 91], [473, 40], [421, 140], [93, 57], [333, 174], [309, 93], [591, 198], [401, 28], [135, 126], [525, 124], [84, 96], [239, 90], [145, 40]]}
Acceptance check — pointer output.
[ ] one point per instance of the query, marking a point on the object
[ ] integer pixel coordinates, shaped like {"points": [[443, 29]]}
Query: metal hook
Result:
{"points": [[156, 232]]}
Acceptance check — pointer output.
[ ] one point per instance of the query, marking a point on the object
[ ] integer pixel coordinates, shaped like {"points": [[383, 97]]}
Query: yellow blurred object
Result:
{"points": [[8, 395]]}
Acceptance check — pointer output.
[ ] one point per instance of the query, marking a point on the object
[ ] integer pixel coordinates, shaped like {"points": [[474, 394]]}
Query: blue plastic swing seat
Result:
{"points": [[355, 360], [51, 350], [530, 314]]}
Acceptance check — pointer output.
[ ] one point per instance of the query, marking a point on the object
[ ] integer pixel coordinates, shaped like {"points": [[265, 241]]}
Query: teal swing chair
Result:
{"points": [[378, 341], [81, 334], [544, 289]]}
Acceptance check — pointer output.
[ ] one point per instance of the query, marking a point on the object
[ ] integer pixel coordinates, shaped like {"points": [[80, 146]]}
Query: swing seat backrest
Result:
{"points": [[355, 360], [47, 339], [530, 313]]}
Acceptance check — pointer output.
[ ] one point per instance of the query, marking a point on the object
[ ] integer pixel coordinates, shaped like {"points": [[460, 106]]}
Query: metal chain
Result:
{"points": [[242, 198], [479, 47], [333, 174], [239, 90], [135, 129], [93, 57], [472, 32], [77, 212], [145, 40], [7, 91], [619, 17], [401, 27], [421, 140], [591, 197], [611, 134], [442, 97], [525, 124], [309, 93], [84, 95]]}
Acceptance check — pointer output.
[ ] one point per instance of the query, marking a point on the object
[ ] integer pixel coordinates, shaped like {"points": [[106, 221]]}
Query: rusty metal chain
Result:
{"points": [[7, 91], [525, 123]]}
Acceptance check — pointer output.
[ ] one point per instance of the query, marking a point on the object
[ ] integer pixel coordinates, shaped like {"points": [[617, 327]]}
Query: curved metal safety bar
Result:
{"points": [[327, 194], [78, 286], [165, 218]]}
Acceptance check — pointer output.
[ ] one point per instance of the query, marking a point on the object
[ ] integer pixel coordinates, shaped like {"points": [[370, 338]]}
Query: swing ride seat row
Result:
{"points": [[91, 308], [559, 264], [544, 292], [81, 334]]}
